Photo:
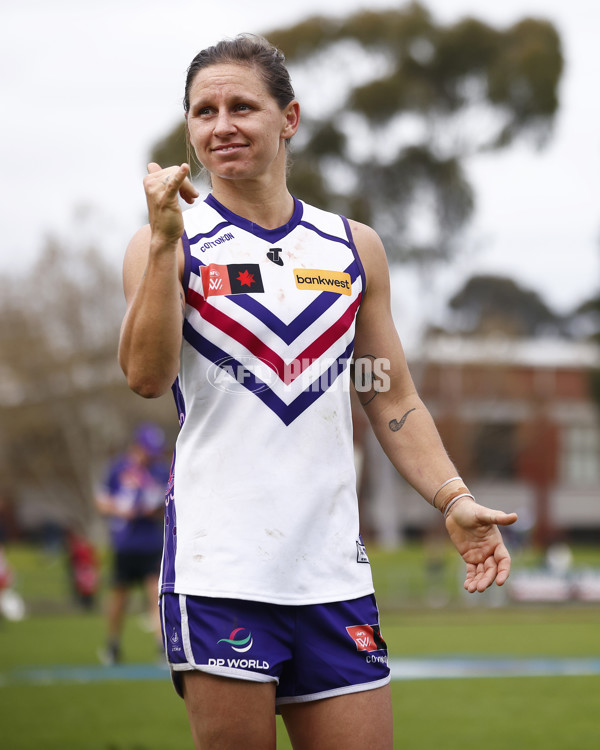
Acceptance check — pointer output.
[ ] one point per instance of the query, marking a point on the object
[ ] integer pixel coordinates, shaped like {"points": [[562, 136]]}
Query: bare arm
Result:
{"points": [[407, 431], [399, 418], [107, 507], [150, 341]]}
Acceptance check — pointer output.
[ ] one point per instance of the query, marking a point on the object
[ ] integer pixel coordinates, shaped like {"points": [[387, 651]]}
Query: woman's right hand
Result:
{"points": [[163, 188]]}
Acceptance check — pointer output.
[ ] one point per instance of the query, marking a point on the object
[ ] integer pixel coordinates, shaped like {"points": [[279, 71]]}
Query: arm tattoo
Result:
{"points": [[394, 425], [365, 373]]}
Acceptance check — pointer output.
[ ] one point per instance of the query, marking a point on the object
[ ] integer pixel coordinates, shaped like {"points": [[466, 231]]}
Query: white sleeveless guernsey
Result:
{"points": [[262, 501]]}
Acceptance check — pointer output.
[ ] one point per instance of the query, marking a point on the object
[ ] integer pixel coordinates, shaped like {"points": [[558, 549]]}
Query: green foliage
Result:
{"points": [[173, 148], [518, 68], [64, 403], [439, 79], [491, 303], [442, 75], [524, 77], [587, 318]]}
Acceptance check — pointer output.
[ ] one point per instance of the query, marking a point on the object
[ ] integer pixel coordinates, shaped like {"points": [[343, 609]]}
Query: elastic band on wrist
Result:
{"points": [[454, 500], [452, 479]]}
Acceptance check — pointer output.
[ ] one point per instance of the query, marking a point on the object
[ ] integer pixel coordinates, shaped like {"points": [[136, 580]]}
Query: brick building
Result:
{"points": [[519, 420]]}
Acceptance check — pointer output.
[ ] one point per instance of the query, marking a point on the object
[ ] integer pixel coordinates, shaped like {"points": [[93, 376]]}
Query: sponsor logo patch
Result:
{"points": [[323, 281], [235, 278], [237, 641], [273, 255], [239, 663], [366, 637]]}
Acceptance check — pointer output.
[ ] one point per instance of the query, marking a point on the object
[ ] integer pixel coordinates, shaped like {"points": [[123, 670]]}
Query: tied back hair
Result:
{"points": [[253, 51]]}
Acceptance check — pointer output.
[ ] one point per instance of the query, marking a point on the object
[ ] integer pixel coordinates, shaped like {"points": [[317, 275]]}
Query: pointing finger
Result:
{"points": [[179, 180], [187, 191], [183, 184], [172, 180]]}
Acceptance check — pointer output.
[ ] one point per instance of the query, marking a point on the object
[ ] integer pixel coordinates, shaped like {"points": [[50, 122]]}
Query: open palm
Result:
{"points": [[474, 532]]}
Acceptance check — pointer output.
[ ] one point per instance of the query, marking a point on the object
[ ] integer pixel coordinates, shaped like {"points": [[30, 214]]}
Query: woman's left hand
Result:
{"points": [[474, 531]]}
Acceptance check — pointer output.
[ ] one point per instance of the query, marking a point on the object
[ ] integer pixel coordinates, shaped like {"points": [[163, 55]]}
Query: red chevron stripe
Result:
{"points": [[286, 372], [320, 345], [236, 331]]}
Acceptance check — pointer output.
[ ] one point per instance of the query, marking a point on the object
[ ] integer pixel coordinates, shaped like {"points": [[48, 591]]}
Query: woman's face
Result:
{"points": [[235, 126]]}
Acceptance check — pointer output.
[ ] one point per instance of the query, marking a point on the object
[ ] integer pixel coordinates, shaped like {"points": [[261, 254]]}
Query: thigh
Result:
{"points": [[353, 722], [229, 714], [338, 649]]}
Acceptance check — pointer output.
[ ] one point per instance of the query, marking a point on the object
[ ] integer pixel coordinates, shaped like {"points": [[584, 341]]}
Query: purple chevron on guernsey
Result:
{"points": [[295, 317], [263, 391]]}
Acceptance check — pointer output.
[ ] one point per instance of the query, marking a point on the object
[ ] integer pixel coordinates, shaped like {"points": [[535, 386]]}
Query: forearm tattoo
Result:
{"points": [[369, 375], [394, 425]]}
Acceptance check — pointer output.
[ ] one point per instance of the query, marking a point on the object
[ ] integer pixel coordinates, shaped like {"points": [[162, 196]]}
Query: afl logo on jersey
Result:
{"points": [[235, 278]]}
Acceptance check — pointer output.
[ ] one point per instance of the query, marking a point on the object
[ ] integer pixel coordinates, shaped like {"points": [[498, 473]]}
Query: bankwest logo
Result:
{"points": [[324, 281]]}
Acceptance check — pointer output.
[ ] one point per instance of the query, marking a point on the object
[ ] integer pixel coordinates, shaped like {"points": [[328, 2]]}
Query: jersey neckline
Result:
{"points": [[271, 235]]}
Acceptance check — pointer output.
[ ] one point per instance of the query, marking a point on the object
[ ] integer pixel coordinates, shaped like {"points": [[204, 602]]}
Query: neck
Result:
{"points": [[270, 206]]}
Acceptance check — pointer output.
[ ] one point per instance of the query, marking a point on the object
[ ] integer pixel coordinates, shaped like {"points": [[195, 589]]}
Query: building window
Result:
{"points": [[495, 451], [580, 455]]}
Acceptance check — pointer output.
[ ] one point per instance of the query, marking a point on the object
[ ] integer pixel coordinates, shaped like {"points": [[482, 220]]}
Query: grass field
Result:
{"points": [[553, 713]]}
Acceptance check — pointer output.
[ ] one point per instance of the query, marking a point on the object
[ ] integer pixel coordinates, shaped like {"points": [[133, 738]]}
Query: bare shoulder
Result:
{"points": [[370, 250], [364, 235]]}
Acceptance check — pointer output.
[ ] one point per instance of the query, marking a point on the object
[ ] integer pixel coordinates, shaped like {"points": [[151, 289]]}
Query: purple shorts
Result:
{"points": [[310, 651]]}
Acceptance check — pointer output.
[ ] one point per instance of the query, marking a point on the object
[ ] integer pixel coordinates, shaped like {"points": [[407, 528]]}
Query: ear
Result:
{"points": [[292, 119]]}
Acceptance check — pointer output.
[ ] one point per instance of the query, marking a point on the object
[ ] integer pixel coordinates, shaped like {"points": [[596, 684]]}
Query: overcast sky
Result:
{"points": [[88, 88]]}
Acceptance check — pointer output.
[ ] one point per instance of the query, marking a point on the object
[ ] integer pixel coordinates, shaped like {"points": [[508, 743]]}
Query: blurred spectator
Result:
{"points": [[12, 606], [8, 526], [83, 568], [132, 500]]}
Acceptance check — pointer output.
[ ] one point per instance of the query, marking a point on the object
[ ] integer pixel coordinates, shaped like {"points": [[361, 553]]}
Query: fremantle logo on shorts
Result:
{"points": [[175, 640]]}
